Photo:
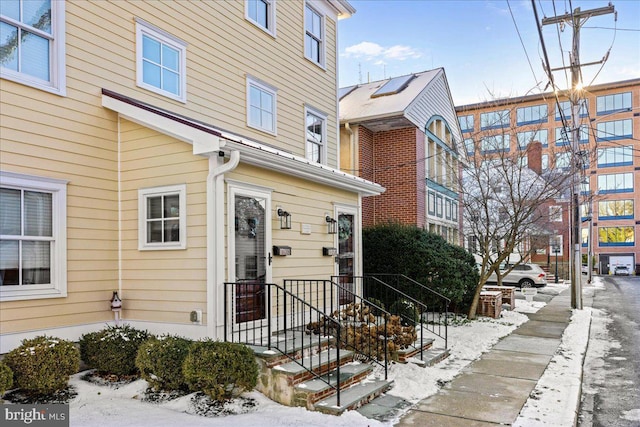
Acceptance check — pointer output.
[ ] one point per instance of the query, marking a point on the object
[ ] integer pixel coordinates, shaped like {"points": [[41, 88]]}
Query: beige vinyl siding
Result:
{"points": [[162, 285], [220, 55], [308, 203]]}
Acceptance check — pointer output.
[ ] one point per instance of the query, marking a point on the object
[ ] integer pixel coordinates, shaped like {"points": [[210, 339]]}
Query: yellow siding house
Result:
{"points": [[161, 148]]}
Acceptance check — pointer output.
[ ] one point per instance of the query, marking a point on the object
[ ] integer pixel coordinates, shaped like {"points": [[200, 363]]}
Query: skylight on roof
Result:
{"points": [[395, 85], [344, 91]]}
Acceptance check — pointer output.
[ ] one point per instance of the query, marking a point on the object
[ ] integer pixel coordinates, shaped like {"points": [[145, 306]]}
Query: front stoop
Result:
{"points": [[353, 397], [414, 351]]}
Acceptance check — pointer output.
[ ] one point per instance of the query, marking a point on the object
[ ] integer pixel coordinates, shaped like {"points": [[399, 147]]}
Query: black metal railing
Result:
{"points": [[364, 323], [268, 315], [407, 298]]}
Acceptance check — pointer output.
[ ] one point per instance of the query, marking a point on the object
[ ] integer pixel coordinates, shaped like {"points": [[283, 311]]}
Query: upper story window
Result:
{"points": [[470, 145], [261, 106], [608, 104], [616, 236], [161, 62], [33, 227], [615, 156], [32, 49], [533, 114], [564, 109], [555, 213], [316, 131], [525, 138], [262, 13], [563, 160], [162, 218], [617, 129], [545, 162], [615, 209], [615, 183], [494, 120], [564, 135], [314, 35], [523, 161], [495, 143], [466, 123]]}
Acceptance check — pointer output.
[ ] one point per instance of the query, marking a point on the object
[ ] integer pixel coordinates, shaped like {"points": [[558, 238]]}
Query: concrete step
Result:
{"points": [[309, 392], [413, 351], [320, 363], [353, 397], [292, 345]]}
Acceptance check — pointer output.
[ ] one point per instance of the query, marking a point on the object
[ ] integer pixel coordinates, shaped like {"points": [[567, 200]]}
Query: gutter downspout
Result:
{"points": [[215, 241]]}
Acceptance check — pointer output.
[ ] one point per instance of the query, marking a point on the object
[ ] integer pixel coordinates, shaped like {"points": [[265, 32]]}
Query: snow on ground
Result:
{"points": [[553, 400], [100, 405]]}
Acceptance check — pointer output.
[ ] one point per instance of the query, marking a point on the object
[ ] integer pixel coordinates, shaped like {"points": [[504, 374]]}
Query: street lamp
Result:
{"points": [[556, 250]]}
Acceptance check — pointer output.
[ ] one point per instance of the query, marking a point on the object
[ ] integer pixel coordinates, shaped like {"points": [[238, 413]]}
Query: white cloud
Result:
{"points": [[370, 51]]}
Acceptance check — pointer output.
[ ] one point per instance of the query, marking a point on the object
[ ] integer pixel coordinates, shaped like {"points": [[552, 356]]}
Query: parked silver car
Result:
{"points": [[621, 270], [523, 276]]}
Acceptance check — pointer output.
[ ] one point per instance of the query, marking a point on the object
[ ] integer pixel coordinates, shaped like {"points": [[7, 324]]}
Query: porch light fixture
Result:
{"points": [[285, 219], [332, 225]]}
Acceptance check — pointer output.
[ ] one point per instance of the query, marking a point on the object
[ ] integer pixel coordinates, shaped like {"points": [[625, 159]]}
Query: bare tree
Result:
{"points": [[504, 199]]}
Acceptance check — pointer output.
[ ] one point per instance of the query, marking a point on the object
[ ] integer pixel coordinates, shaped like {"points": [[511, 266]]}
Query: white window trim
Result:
{"points": [[252, 81], [323, 148], [58, 188], [143, 194], [323, 41], [144, 28], [58, 82], [271, 13]]}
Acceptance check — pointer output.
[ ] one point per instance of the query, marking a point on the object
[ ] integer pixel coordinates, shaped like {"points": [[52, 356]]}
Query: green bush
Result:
{"points": [[42, 365], [160, 361], [424, 257], [221, 370], [6, 378], [407, 311], [113, 350]]}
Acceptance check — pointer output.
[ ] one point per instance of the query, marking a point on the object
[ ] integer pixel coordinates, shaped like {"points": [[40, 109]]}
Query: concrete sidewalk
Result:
{"points": [[494, 388]]}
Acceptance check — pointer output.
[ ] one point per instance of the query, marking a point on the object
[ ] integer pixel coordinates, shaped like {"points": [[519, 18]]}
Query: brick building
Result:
{"points": [[403, 134], [609, 147]]}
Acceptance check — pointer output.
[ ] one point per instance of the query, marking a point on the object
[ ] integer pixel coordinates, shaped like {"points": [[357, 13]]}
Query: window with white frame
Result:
{"points": [[316, 131], [262, 13], [261, 105], [555, 213], [161, 62], [314, 35], [162, 218], [33, 43], [556, 245], [33, 223]]}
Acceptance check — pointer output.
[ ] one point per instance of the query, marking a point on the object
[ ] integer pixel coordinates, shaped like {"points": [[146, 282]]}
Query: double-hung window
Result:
{"points": [[314, 35], [316, 131], [261, 106], [33, 261], [262, 13], [32, 43], [162, 218], [161, 62]]}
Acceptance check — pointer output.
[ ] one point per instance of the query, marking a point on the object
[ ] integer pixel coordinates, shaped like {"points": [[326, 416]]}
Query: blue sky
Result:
{"points": [[477, 44]]}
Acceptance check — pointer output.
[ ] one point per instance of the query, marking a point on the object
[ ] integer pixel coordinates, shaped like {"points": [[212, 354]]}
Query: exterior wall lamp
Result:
{"points": [[285, 219], [332, 225]]}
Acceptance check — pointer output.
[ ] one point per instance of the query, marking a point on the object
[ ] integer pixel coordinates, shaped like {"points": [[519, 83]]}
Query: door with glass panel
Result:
{"points": [[252, 268], [347, 255]]}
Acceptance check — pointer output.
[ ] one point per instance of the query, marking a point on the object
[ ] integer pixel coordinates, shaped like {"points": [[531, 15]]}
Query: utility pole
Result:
{"points": [[576, 19]]}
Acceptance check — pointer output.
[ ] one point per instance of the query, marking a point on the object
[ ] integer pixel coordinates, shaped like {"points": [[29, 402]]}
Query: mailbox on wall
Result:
{"points": [[329, 251], [281, 250]]}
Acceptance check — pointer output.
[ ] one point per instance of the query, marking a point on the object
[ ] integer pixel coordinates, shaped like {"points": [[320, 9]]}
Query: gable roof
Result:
{"points": [[413, 99]]}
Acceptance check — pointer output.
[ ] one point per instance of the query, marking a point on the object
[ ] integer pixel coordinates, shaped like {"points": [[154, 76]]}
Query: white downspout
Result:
{"points": [[215, 241]]}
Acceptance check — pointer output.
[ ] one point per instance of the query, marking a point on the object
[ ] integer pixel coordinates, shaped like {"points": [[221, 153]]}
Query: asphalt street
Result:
{"points": [[611, 378]]}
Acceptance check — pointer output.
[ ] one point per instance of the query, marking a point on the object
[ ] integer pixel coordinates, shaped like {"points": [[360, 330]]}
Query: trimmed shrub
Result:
{"points": [[42, 365], [221, 370], [6, 378], [113, 350], [160, 361]]}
